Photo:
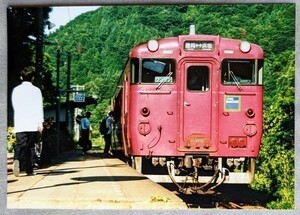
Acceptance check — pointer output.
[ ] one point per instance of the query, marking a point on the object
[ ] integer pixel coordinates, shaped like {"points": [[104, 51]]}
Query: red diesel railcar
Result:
{"points": [[192, 105]]}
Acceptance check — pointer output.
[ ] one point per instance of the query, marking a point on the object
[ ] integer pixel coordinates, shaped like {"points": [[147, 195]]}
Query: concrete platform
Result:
{"points": [[93, 181]]}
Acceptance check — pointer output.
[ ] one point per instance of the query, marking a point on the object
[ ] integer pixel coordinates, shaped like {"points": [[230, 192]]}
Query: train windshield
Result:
{"points": [[241, 72], [156, 71]]}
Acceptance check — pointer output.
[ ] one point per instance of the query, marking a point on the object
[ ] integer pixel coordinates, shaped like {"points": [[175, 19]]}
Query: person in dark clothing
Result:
{"points": [[86, 129], [107, 137]]}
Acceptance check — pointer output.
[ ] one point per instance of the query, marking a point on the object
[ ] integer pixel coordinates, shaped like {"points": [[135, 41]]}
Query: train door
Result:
{"points": [[197, 108]]}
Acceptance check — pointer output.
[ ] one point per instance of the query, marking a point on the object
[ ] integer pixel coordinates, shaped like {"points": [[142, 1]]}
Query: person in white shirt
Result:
{"points": [[27, 103]]}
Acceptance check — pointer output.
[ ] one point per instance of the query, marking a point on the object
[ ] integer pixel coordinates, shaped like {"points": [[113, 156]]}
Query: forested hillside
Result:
{"points": [[100, 41]]}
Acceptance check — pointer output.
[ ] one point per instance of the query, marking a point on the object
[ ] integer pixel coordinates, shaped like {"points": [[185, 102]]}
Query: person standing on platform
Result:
{"points": [[107, 137], [86, 129], [27, 102]]}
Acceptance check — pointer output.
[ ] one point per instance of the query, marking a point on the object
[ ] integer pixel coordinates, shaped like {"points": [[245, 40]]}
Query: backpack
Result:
{"points": [[103, 129]]}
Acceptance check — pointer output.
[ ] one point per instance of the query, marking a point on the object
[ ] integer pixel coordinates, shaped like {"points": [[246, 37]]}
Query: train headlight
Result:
{"points": [[245, 46], [153, 45]]}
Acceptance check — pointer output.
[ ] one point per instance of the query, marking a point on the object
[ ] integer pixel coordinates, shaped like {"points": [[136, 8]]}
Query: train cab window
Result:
{"points": [[158, 71], [198, 78], [239, 72]]}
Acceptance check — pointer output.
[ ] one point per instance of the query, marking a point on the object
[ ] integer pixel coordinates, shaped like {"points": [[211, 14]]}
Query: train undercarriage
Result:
{"points": [[194, 174]]}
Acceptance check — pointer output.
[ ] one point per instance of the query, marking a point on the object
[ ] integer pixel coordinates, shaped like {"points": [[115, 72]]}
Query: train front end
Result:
{"points": [[193, 104]]}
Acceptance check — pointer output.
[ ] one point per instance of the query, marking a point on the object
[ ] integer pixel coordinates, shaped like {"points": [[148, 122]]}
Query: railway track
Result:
{"points": [[230, 205], [226, 197]]}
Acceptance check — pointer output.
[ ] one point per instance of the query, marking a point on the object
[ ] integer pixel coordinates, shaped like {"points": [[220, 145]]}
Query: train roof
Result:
{"points": [[185, 45]]}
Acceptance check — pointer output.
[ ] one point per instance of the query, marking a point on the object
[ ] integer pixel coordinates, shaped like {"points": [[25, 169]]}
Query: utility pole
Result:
{"points": [[58, 99], [68, 90], [39, 48]]}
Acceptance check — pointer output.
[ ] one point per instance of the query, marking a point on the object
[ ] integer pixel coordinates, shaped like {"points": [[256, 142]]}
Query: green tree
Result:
{"points": [[22, 22], [275, 173]]}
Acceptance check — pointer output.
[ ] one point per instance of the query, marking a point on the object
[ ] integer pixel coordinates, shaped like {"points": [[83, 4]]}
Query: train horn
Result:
{"points": [[192, 29]]}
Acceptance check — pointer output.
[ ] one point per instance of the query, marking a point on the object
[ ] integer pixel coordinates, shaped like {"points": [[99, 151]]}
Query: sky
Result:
{"points": [[62, 15]]}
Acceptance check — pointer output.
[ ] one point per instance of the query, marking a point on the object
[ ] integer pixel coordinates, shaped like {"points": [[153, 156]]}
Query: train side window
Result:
{"points": [[158, 71], [240, 72], [260, 64], [134, 70], [198, 78]]}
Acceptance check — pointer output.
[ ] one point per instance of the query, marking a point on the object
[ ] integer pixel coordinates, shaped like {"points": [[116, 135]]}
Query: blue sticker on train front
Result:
{"points": [[232, 103]]}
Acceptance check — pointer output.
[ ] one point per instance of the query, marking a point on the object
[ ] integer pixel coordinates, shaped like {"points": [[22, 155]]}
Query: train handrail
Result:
{"points": [[154, 92], [241, 93]]}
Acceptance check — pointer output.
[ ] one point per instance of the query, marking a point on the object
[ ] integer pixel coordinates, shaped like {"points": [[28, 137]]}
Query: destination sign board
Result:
{"points": [[199, 46]]}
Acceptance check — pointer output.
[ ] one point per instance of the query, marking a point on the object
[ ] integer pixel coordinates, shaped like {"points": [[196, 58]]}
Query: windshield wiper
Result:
{"points": [[164, 79], [237, 83]]}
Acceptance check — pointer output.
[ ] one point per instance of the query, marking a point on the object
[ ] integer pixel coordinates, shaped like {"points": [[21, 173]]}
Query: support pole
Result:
{"points": [[68, 120], [58, 100], [39, 49]]}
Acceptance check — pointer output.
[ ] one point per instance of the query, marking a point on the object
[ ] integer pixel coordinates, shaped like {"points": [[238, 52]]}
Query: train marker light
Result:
{"points": [[250, 113], [153, 45], [245, 46], [145, 111]]}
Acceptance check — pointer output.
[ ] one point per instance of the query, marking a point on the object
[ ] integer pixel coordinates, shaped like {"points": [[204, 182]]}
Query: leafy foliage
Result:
{"points": [[11, 139], [276, 169], [22, 23]]}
